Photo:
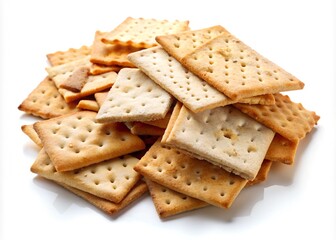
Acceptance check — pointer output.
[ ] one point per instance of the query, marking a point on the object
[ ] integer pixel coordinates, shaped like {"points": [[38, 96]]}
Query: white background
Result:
{"points": [[296, 202]]}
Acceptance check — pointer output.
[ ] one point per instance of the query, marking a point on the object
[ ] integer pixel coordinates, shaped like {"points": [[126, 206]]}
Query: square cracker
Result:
{"points": [[169, 203], [193, 92], [72, 54], [223, 136], [111, 179], [110, 54], [97, 83], [134, 97], [180, 44], [46, 102], [199, 179], [107, 206], [282, 150], [77, 140], [236, 70], [140, 32], [289, 119]]}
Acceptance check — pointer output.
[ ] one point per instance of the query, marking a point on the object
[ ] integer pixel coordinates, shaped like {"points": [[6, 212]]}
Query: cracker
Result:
{"points": [[289, 119], [223, 136], [72, 54], [100, 97], [31, 133], [282, 150], [46, 102], [111, 179], [141, 32], [110, 54], [107, 206], [180, 44], [134, 97], [238, 71], [90, 105], [262, 174], [76, 80], [187, 175], [193, 92], [139, 128], [169, 203], [96, 83], [96, 69], [77, 140]]}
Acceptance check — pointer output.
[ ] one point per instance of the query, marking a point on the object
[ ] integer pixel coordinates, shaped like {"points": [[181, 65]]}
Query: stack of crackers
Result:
{"points": [[193, 116]]}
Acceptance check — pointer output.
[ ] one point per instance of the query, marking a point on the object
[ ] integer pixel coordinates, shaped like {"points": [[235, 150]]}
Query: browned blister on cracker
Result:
{"points": [[76, 80]]}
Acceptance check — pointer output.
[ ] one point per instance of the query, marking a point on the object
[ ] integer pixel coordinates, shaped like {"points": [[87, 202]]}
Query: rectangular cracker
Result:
{"points": [[187, 175], [90, 105], [223, 136], [72, 54], [141, 33], [94, 84], [282, 150], [111, 179], [110, 54], [77, 140], [289, 119], [169, 203], [107, 206], [46, 102], [180, 44], [31, 133], [193, 92], [236, 70], [134, 97]]}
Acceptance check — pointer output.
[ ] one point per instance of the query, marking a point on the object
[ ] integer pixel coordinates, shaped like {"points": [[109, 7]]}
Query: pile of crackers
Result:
{"points": [[192, 116]]}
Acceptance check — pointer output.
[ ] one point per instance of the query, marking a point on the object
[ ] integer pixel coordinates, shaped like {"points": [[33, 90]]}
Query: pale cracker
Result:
{"points": [[161, 123], [141, 32], [77, 140], [31, 133], [187, 175], [289, 119], [223, 136], [107, 206], [76, 80], [110, 54], [90, 105], [193, 92], [180, 44], [238, 71], [282, 150], [169, 203], [134, 97], [96, 83], [46, 102], [111, 179], [72, 54]]}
